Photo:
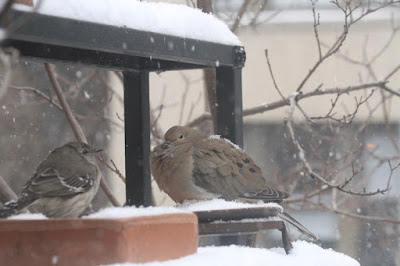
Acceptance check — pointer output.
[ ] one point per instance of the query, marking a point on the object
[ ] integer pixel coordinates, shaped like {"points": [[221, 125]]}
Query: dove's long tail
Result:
{"points": [[289, 219], [13, 207]]}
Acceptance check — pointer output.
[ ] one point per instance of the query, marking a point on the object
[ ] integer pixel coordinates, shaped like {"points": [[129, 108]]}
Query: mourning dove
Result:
{"points": [[63, 185], [190, 165]]}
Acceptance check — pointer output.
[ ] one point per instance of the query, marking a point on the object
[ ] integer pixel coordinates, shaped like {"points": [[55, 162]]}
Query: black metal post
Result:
{"points": [[137, 138], [230, 118], [287, 243], [229, 100]]}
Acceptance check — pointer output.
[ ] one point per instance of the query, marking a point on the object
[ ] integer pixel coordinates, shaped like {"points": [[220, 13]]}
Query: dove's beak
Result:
{"points": [[166, 144]]}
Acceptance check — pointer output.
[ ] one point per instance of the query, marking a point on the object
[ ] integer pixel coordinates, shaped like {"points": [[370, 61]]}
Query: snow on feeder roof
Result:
{"points": [[164, 18]]}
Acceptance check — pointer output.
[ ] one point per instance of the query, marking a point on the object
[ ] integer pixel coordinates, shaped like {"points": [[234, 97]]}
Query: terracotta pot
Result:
{"points": [[97, 241]]}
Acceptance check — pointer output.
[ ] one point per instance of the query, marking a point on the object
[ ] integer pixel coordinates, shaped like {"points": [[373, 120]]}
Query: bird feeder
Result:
{"points": [[136, 53]]}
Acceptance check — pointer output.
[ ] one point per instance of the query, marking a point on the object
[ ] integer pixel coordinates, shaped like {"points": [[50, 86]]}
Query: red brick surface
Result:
{"points": [[97, 241]]}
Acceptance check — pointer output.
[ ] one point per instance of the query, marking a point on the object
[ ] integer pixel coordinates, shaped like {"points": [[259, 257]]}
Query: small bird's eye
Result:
{"points": [[84, 151], [180, 136]]}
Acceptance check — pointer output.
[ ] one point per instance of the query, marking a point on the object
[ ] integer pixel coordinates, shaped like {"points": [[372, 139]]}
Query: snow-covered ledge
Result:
{"points": [[303, 253], [164, 18]]}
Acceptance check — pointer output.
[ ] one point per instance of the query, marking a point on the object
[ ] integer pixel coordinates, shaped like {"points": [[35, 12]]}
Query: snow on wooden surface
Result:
{"points": [[164, 18], [220, 204], [186, 207], [28, 216], [126, 212]]}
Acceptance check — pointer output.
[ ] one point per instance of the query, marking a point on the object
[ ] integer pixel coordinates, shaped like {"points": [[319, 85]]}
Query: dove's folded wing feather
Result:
{"points": [[221, 168]]}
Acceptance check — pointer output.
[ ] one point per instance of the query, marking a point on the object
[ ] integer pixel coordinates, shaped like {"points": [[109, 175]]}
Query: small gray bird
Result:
{"points": [[190, 165], [63, 185]]}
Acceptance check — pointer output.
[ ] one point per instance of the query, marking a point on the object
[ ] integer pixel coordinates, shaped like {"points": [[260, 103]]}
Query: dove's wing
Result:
{"points": [[220, 167], [51, 183]]}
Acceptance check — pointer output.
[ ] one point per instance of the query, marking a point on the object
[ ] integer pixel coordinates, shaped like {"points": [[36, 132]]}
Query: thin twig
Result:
{"points": [[316, 24], [184, 96], [58, 106], [39, 93], [272, 75], [359, 216], [113, 168], [155, 129]]}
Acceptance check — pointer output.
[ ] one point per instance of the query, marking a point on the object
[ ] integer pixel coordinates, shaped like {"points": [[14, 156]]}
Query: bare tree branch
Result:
{"points": [[317, 92], [8, 58], [239, 15], [200, 119], [348, 22], [284, 102], [307, 166], [78, 132], [6, 193], [357, 216], [39, 93]]}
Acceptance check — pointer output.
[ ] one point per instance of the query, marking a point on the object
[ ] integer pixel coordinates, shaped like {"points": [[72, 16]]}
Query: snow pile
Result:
{"points": [[28, 216], [164, 18], [303, 253], [126, 212], [186, 207], [220, 204]]}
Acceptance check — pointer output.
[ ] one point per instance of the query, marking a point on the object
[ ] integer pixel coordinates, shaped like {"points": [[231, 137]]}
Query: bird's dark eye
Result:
{"points": [[84, 151], [180, 136]]}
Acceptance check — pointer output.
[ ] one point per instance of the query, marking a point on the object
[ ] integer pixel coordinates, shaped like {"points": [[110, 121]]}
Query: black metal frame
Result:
{"points": [[231, 223], [246, 228], [136, 53]]}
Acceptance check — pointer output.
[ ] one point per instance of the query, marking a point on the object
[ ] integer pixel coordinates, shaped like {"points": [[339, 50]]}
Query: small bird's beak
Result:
{"points": [[96, 150], [166, 144]]}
